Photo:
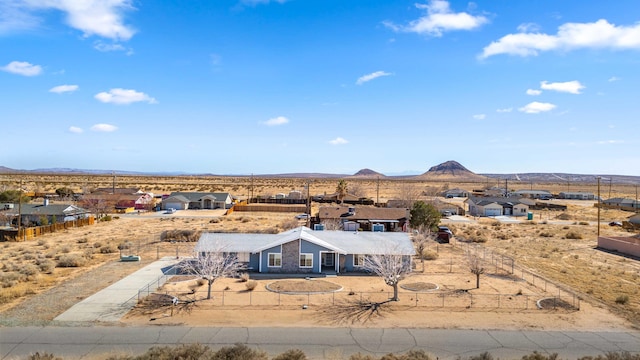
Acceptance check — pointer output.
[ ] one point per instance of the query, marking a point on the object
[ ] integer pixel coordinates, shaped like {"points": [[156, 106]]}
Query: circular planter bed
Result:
{"points": [[554, 303], [303, 286], [420, 286]]}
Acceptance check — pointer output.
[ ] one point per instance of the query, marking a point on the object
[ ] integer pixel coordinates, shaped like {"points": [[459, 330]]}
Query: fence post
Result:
{"points": [[222, 297], [416, 299]]}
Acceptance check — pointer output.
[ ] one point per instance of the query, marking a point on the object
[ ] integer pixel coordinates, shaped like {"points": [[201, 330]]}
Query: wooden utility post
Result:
{"points": [[599, 203]]}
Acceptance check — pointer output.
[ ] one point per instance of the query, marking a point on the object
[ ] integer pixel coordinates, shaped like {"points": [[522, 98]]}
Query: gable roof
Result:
{"points": [[343, 242], [197, 196], [363, 213], [484, 201], [48, 210]]}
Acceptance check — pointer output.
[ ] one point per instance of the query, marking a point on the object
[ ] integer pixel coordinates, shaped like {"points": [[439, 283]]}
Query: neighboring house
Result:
{"points": [[197, 200], [348, 199], [534, 194], [577, 195], [140, 201], [497, 206], [451, 193], [392, 219], [34, 213], [445, 208], [302, 250], [622, 202]]}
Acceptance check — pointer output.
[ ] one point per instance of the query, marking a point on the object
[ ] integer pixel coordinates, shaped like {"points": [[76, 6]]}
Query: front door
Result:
{"points": [[328, 261]]}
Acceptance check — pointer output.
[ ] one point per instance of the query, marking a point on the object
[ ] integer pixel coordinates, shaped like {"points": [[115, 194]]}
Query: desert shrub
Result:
{"points": [[43, 356], [479, 239], [563, 216], [106, 218], [545, 234], [502, 236], [429, 255], [622, 299], [583, 223], [66, 249], [573, 235], [565, 227], [624, 355], [538, 356], [239, 352], [107, 249], [484, 356], [97, 244], [251, 285], [184, 352], [83, 240], [46, 266], [29, 270], [180, 235], [244, 277], [359, 356], [71, 260], [201, 282], [9, 279], [41, 242], [292, 354], [28, 256], [289, 224], [124, 246], [215, 220]]}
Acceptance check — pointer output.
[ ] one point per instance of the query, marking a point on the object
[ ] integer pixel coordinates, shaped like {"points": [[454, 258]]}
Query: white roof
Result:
{"points": [[343, 242]]}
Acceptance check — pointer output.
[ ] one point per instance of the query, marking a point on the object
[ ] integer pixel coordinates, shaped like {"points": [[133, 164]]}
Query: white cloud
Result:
{"points": [[537, 107], [280, 120], [439, 19], [104, 128], [338, 141], [104, 47], [533, 92], [124, 96], [363, 79], [103, 18], [75, 130], [570, 36], [610, 142], [505, 110], [63, 89], [614, 78], [22, 68], [480, 116], [528, 27], [572, 87]]}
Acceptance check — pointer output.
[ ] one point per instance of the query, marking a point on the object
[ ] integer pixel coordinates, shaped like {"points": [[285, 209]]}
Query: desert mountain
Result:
{"points": [[367, 173], [450, 170]]}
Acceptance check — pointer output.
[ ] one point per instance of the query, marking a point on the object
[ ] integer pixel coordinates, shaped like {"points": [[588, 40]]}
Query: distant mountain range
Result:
{"points": [[447, 171]]}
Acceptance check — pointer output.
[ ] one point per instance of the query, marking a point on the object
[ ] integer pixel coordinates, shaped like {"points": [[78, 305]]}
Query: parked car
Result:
{"points": [[615, 223], [170, 211], [303, 216], [444, 234]]}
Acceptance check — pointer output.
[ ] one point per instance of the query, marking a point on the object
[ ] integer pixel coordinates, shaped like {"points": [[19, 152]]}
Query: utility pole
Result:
{"points": [[378, 191], [19, 207], [113, 185], [599, 203], [309, 203], [610, 179]]}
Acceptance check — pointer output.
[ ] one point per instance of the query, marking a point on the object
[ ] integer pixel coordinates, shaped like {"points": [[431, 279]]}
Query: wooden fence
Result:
{"points": [[33, 232], [270, 208]]}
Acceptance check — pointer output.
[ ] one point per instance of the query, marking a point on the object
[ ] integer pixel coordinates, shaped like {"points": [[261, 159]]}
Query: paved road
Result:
{"points": [[317, 343]]}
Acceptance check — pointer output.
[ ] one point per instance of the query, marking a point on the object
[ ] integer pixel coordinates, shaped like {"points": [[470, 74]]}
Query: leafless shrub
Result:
{"points": [[244, 277], [289, 224], [107, 249], [180, 235], [251, 285], [71, 260], [573, 235]]}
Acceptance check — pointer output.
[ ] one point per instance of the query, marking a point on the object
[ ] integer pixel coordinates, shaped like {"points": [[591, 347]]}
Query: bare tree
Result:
{"points": [[341, 190], [332, 224], [421, 241], [212, 264], [356, 189], [476, 267], [408, 193], [390, 266]]}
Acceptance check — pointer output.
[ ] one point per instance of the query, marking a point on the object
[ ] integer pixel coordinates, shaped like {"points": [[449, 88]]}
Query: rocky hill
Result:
{"points": [[450, 170], [367, 173]]}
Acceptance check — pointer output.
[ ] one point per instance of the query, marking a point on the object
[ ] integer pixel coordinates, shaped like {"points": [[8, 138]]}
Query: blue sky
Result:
{"points": [[283, 86]]}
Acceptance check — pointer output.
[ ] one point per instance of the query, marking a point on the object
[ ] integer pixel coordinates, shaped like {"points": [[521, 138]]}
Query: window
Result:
{"points": [[306, 260], [358, 260], [275, 260]]}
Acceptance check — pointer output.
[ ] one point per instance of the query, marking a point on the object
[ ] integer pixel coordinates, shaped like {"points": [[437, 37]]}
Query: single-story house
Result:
{"points": [[347, 199], [31, 214], [365, 217], [302, 250], [534, 194], [197, 200], [451, 193], [497, 206], [577, 195], [445, 208], [622, 202]]}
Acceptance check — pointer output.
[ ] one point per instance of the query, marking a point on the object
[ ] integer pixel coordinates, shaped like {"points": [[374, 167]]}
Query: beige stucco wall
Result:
{"points": [[629, 246]]}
